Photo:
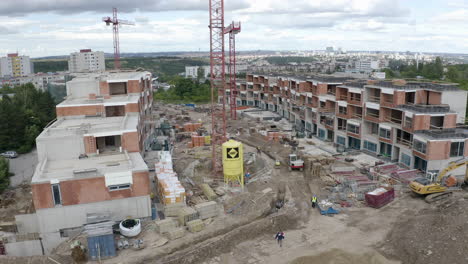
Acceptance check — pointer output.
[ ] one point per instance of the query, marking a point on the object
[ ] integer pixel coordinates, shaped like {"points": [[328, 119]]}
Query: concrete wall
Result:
{"points": [[80, 110], [51, 220], [82, 88], [457, 102], [60, 148], [26, 223], [24, 248]]}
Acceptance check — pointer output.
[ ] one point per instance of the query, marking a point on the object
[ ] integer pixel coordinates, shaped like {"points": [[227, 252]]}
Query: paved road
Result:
{"points": [[23, 167]]}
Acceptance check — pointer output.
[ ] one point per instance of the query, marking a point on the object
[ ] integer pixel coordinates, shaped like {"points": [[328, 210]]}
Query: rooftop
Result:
{"points": [[427, 109], [91, 167], [70, 126], [114, 100], [415, 86], [113, 76], [452, 133]]}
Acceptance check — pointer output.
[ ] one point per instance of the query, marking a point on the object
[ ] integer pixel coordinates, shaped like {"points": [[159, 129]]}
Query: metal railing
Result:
{"points": [[374, 99], [405, 142]]}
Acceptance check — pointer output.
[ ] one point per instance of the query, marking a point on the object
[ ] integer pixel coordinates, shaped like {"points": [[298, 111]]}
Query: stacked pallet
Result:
{"points": [[207, 210], [187, 214], [274, 136], [170, 190], [195, 225], [176, 233], [166, 225], [192, 127], [172, 210]]}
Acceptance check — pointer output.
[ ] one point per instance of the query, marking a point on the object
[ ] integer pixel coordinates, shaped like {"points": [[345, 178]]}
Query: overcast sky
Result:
{"points": [[58, 27]]}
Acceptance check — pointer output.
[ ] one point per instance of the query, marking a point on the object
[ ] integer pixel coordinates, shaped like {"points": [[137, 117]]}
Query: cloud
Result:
{"points": [[7, 31], [24, 7]]}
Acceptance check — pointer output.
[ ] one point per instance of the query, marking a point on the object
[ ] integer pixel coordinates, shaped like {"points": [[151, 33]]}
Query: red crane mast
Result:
{"points": [[115, 25], [217, 81], [233, 29]]}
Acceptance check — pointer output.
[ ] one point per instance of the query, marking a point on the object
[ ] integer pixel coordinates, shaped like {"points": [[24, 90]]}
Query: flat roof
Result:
{"points": [[91, 167], [70, 126], [450, 133], [113, 76], [114, 100]]}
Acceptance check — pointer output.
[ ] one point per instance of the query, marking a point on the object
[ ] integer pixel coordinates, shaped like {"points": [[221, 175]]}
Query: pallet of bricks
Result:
{"points": [[274, 136], [199, 141], [170, 190], [191, 127]]}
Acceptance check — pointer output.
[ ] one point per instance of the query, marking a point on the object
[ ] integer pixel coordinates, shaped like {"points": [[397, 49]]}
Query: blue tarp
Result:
{"points": [[103, 246]]}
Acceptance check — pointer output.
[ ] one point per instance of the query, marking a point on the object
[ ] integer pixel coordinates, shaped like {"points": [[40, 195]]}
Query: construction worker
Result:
{"points": [[259, 151], [279, 237], [314, 201]]}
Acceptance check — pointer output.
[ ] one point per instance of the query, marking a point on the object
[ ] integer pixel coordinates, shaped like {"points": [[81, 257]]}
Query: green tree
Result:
{"points": [[4, 174], [452, 74]]}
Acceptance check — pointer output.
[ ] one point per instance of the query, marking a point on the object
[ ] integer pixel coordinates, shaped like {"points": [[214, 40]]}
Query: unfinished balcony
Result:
{"points": [[387, 100], [373, 95], [342, 112], [341, 124], [109, 144], [118, 88], [372, 115], [354, 99], [404, 138], [393, 116]]}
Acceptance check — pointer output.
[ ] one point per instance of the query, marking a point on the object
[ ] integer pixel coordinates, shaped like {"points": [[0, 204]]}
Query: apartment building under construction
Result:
{"points": [[415, 124]]}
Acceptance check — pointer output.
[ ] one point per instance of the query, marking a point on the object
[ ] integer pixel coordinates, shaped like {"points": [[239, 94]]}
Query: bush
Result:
{"points": [[4, 174]]}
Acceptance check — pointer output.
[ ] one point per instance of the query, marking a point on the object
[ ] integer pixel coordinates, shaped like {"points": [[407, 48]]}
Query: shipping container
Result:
{"points": [[380, 197], [101, 247]]}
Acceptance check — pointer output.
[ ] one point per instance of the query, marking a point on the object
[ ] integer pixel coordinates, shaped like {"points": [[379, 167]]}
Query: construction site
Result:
{"points": [[272, 171]]}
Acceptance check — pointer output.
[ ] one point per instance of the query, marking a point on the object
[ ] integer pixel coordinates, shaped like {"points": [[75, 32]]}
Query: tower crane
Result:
{"points": [[233, 29], [217, 81], [115, 24]]}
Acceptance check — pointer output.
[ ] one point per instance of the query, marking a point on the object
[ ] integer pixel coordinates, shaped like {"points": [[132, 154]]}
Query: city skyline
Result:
{"points": [[47, 28]]}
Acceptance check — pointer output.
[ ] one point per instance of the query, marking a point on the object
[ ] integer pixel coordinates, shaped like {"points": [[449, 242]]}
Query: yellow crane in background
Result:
{"points": [[435, 188]]}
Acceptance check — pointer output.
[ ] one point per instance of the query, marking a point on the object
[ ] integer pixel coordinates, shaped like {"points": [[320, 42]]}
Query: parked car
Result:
{"points": [[9, 154]]}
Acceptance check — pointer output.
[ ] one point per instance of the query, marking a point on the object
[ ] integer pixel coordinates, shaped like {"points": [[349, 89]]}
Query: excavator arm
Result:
{"points": [[454, 165]]}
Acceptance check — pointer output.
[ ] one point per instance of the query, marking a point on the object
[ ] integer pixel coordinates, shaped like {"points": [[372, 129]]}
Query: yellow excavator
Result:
{"points": [[433, 188]]}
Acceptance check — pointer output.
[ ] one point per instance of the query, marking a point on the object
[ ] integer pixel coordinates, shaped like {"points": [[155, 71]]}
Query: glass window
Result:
{"points": [[384, 133], [408, 122], [419, 146], [457, 149], [370, 146], [56, 194], [341, 140], [353, 129], [119, 187], [405, 159], [321, 133]]}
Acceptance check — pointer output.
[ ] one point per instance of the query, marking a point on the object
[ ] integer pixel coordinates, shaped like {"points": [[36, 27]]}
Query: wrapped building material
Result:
{"points": [[207, 210], [176, 233], [195, 225], [208, 192], [380, 197], [187, 214], [173, 209], [166, 225]]}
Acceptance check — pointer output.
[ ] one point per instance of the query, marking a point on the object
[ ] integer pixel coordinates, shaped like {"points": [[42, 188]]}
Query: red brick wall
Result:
{"points": [[90, 144], [88, 191], [450, 121], [130, 142], [80, 110], [135, 108], [399, 97], [104, 88], [421, 97], [42, 195], [421, 122], [133, 86], [438, 150], [435, 98], [322, 88], [466, 148]]}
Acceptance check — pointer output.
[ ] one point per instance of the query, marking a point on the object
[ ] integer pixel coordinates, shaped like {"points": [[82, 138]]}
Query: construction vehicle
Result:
{"points": [[434, 187], [295, 162]]}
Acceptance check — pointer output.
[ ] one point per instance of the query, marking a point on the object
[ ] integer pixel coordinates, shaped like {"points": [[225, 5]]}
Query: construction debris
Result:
{"points": [[176, 233], [187, 214], [166, 225], [208, 191], [207, 210], [195, 225]]}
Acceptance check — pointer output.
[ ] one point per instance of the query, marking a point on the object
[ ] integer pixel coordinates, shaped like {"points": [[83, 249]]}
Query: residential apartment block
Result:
{"points": [[192, 71], [87, 61], [14, 65], [90, 159], [417, 125]]}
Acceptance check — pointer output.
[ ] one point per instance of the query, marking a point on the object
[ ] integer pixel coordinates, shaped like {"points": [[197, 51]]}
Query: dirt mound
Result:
{"points": [[338, 256], [435, 235]]}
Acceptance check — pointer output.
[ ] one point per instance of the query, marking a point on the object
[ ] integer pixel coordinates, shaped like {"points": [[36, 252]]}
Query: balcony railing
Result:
{"points": [[405, 142], [393, 120], [343, 98], [374, 99], [358, 116]]}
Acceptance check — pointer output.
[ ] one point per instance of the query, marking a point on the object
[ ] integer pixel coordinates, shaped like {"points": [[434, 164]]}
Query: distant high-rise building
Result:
{"points": [[192, 71], [330, 49], [15, 66], [87, 61]]}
